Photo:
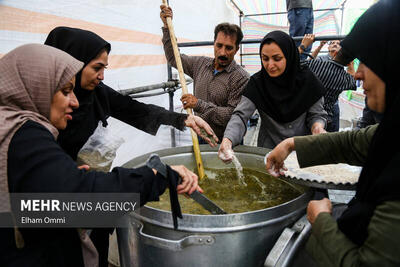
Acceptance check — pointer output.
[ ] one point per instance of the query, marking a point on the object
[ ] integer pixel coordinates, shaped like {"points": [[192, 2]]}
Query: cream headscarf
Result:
{"points": [[30, 76]]}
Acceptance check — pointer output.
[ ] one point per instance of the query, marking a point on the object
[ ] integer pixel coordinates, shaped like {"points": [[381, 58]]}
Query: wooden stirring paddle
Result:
{"points": [[182, 79]]}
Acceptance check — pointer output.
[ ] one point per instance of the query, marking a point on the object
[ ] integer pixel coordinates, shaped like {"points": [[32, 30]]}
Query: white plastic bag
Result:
{"points": [[100, 149]]}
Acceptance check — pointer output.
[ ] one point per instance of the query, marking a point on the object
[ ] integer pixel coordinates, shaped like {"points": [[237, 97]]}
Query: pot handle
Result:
{"points": [[288, 243], [174, 245]]}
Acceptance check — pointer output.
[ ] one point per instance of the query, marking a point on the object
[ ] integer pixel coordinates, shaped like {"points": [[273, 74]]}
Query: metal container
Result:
{"points": [[241, 239]]}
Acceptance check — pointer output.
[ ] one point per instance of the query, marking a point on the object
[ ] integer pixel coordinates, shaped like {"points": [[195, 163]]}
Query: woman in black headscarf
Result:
{"points": [[287, 96], [368, 231], [98, 101]]}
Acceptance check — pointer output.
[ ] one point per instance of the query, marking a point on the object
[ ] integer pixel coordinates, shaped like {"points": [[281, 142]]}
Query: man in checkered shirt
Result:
{"points": [[218, 81]]}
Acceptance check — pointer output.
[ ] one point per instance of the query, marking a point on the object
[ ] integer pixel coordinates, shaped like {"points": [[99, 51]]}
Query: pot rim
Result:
{"points": [[225, 222]]}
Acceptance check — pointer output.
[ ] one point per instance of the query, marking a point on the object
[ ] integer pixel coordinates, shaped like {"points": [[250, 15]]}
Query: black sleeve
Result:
{"points": [[369, 117], [145, 117], [366, 119], [36, 163]]}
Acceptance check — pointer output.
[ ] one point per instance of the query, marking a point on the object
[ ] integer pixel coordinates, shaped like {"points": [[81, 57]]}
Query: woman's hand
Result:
{"points": [[189, 180], [317, 128], [225, 152], [202, 129], [275, 160], [315, 207]]}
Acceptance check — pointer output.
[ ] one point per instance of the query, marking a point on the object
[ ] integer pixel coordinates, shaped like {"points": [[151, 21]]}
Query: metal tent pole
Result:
{"points": [[341, 20], [241, 48], [285, 12], [241, 14], [254, 41], [171, 105]]}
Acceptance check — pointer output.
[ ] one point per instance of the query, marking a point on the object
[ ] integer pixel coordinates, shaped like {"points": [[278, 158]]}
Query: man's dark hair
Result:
{"points": [[229, 29]]}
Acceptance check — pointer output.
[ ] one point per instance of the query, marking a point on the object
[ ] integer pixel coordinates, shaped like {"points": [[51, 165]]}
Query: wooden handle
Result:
{"points": [[182, 79]]}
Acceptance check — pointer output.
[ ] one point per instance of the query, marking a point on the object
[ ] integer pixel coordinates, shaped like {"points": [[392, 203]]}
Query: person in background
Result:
{"points": [[36, 101], [98, 101], [333, 48], [335, 80], [368, 231], [218, 82], [301, 20], [288, 97]]}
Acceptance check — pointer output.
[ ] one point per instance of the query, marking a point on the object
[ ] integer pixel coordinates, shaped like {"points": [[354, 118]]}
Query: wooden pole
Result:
{"points": [[182, 79]]}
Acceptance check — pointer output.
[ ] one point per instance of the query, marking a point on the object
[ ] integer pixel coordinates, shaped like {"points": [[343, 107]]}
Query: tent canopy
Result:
{"points": [[258, 17], [254, 7]]}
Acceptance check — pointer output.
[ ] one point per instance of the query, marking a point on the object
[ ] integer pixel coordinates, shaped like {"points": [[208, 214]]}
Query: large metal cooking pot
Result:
{"points": [[242, 239]]}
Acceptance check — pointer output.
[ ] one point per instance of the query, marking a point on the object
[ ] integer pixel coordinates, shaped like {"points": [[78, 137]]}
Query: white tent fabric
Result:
{"points": [[134, 30]]}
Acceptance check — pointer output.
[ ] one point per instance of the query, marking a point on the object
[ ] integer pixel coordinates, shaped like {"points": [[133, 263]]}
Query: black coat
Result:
{"points": [[98, 104], [36, 163], [104, 102]]}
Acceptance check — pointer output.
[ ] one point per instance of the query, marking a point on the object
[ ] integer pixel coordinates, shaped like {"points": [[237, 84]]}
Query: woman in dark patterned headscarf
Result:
{"points": [[368, 231], [379, 59], [370, 224]]}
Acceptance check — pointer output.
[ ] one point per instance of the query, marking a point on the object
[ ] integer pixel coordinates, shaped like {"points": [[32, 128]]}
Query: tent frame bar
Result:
{"points": [[254, 41], [285, 12]]}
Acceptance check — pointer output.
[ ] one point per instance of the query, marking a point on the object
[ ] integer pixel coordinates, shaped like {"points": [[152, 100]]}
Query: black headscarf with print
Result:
{"points": [[376, 45], [289, 95], [84, 46]]}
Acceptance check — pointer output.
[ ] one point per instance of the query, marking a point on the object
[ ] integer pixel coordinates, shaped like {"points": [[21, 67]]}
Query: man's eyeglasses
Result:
{"points": [[334, 42]]}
